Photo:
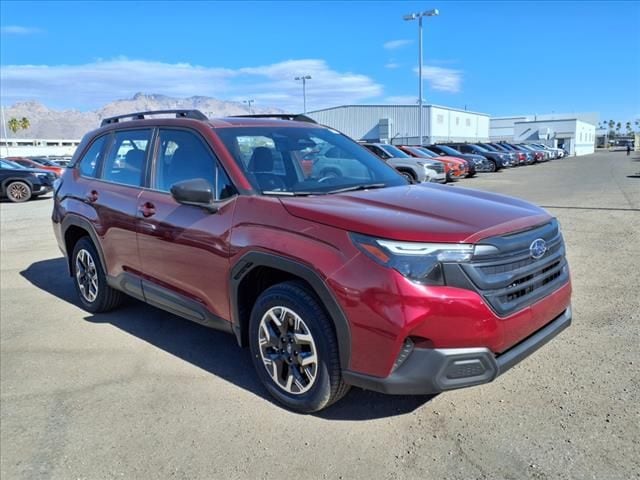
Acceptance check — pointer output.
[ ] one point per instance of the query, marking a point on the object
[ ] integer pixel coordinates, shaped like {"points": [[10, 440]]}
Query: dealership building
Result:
{"points": [[575, 132], [398, 124]]}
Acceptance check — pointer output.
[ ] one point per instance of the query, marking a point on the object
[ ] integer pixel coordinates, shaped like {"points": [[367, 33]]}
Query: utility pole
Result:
{"points": [[249, 103], [409, 17], [304, 79]]}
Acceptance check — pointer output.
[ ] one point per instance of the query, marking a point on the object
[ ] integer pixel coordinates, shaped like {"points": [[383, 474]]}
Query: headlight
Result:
{"points": [[419, 262], [42, 175]]}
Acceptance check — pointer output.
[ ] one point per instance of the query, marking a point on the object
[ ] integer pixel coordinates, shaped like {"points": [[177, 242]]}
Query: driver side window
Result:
{"points": [[183, 156]]}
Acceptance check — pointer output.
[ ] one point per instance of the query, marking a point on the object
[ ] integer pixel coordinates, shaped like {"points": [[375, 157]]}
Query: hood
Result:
{"points": [[456, 160], [424, 213]]}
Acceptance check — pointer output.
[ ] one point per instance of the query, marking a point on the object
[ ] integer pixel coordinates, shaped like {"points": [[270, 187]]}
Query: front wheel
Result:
{"points": [[492, 166], [18, 192], [294, 349]]}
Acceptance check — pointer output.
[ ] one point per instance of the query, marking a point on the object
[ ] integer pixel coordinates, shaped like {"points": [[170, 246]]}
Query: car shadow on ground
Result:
{"points": [[213, 351]]}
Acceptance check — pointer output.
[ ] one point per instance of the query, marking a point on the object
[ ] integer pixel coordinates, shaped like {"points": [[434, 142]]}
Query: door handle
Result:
{"points": [[147, 209], [92, 196]]}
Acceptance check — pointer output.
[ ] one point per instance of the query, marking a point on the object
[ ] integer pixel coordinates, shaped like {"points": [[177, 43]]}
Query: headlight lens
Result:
{"points": [[419, 262]]}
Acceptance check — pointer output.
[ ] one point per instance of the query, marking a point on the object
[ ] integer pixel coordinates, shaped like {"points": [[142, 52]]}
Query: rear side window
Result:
{"points": [[88, 164], [126, 159], [184, 156]]}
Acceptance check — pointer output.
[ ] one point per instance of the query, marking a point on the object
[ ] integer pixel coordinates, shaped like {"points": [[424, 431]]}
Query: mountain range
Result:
{"points": [[73, 124]]}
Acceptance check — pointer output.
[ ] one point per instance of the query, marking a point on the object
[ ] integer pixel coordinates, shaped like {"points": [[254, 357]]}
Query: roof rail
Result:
{"points": [[297, 117], [195, 114]]}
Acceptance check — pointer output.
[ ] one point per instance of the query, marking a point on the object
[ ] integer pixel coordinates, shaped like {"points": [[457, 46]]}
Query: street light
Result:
{"points": [[304, 79], [410, 17], [249, 103]]}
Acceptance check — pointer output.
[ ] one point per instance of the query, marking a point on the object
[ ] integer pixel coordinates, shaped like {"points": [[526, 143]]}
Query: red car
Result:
{"points": [[41, 164], [358, 278], [454, 167]]}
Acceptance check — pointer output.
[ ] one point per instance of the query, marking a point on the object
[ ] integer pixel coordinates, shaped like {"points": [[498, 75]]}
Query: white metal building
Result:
{"points": [[398, 124], [574, 132], [34, 147]]}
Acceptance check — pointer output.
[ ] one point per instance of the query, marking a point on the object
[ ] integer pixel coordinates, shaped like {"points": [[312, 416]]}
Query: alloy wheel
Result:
{"points": [[18, 192], [288, 350], [87, 275]]}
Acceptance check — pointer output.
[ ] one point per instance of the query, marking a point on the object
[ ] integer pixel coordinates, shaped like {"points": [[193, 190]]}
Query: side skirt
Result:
{"points": [[168, 300]]}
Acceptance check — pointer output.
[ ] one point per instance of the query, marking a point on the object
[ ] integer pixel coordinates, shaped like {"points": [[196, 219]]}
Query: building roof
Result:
{"points": [[392, 105]]}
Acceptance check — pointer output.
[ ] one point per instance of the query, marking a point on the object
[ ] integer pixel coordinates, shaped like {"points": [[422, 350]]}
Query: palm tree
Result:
{"points": [[13, 124], [637, 122], [618, 127], [24, 123], [628, 127]]}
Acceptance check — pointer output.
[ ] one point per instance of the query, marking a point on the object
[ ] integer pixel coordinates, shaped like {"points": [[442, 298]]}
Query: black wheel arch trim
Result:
{"points": [[70, 220], [253, 259]]}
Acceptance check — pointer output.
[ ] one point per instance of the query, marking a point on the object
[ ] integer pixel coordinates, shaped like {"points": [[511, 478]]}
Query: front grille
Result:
{"points": [[511, 279]]}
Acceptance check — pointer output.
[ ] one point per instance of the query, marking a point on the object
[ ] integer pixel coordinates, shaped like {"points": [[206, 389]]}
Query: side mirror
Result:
{"points": [[196, 192]]}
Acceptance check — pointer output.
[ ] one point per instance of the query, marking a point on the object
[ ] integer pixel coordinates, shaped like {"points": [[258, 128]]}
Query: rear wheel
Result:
{"points": [[95, 294], [18, 191], [294, 349]]}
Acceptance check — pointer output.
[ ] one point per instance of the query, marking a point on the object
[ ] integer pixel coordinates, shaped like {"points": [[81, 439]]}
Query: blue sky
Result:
{"points": [[501, 58]]}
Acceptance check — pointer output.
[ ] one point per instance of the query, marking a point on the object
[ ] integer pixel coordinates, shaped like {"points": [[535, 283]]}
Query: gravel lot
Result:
{"points": [[142, 394]]}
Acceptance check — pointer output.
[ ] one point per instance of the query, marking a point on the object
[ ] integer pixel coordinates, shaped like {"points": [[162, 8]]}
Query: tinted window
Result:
{"points": [[89, 162], [184, 156], [126, 159]]}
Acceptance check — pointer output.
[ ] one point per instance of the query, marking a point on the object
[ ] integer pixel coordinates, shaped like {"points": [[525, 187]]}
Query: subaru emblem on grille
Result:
{"points": [[537, 248]]}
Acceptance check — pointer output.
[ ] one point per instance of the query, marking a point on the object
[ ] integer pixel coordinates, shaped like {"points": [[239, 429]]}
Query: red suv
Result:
{"points": [[357, 278]]}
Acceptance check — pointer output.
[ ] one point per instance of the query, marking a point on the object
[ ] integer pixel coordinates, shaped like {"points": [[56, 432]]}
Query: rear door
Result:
{"points": [[184, 249], [114, 195]]}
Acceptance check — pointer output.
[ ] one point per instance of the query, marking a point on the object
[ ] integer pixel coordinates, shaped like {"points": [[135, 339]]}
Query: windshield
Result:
{"points": [[479, 148], [430, 153], [421, 152], [449, 150], [44, 161], [488, 147], [305, 161], [394, 151]]}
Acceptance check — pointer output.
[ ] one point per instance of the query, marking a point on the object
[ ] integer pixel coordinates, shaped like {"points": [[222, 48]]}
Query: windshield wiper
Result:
{"points": [[353, 188], [290, 194]]}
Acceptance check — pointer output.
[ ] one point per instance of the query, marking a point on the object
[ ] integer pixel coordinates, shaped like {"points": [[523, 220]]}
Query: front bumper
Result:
{"points": [[434, 370]]}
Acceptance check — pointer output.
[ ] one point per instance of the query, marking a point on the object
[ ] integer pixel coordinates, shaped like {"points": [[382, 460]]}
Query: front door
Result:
{"points": [[184, 249]]}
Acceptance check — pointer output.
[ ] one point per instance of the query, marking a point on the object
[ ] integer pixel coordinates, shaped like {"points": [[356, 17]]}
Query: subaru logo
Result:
{"points": [[537, 248]]}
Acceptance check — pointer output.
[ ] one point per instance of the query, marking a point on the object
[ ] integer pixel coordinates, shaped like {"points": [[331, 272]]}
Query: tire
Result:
{"points": [[493, 167], [18, 192], [95, 295], [301, 316], [409, 176]]}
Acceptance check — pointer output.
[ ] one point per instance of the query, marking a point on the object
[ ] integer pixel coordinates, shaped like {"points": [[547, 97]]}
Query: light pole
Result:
{"points": [[304, 79], [410, 17], [249, 103]]}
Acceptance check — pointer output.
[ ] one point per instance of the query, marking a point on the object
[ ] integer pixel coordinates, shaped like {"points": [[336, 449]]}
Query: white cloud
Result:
{"points": [[394, 44], [18, 30], [402, 99], [443, 79], [392, 65], [93, 84]]}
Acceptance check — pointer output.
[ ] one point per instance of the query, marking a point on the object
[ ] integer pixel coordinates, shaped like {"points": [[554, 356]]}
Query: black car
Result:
{"points": [[19, 184], [501, 160]]}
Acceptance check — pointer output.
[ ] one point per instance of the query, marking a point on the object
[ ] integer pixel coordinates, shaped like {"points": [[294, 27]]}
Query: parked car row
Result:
{"points": [[458, 160]]}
